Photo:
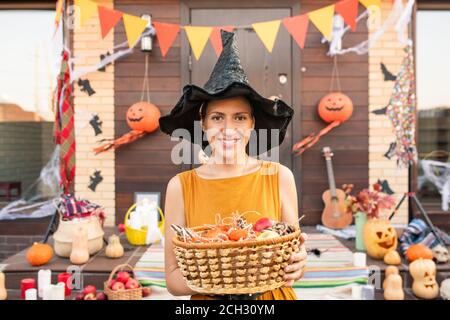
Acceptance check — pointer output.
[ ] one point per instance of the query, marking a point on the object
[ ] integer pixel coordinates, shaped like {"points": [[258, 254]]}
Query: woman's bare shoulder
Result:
{"points": [[285, 174], [174, 185]]}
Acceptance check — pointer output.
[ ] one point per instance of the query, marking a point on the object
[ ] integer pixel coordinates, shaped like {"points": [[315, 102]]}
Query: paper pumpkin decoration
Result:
{"points": [[423, 272], [335, 108], [380, 237], [142, 117]]}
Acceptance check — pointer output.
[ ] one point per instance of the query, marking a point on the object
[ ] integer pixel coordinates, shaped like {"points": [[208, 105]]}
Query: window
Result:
{"points": [[433, 99], [29, 64]]}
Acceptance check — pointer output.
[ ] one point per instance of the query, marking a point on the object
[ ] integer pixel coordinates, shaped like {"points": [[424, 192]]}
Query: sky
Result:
{"points": [[433, 58], [29, 59]]}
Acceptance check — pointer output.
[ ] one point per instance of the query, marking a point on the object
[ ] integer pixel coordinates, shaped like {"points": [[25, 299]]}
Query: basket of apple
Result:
{"points": [[235, 257], [121, 285]]}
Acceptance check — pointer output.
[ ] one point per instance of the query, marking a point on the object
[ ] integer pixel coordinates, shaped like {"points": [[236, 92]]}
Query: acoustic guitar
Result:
{"points": [[334, 214]]}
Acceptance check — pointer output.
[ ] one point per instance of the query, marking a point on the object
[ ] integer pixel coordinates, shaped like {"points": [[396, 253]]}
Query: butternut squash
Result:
{"points": [[3, 292], [80, 251], [393, 289], [114, 248]]}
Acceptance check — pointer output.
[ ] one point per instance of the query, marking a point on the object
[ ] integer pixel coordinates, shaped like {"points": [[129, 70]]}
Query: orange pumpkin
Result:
{"points": [[335, 106], [39, 254], [143, 116], [417, 251]]}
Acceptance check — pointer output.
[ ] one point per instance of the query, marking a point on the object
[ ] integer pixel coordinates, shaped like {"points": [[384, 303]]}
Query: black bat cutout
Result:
{"points": [[96, 124], [96, 178], [85, 86], [385, 187], [380, 111], [391, 151], [388, 76], [103, 56]]}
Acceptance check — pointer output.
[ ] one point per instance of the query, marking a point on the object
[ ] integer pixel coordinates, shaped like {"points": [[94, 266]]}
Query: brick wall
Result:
{"points": [[10, 245], [88, 42], [24, 149], [390, 52]]}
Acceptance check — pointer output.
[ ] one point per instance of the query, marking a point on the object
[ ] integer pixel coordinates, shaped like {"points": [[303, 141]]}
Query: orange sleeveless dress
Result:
{"points": [[255, 191]]}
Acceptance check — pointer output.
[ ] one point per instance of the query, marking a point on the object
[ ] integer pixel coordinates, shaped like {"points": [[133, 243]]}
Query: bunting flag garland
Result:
{"points": [[108, 19], [215, 39], [348, 9], [198, 37], [267, 32], [323, 20], [87, 9], [297, 26], [134, 26], [64, 124], [166, 34]]}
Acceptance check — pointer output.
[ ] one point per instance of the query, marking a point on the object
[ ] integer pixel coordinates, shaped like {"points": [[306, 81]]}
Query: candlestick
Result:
{"points": [[44, 279], [66, 278], [26, 284], [359, 259], [31, 294]]}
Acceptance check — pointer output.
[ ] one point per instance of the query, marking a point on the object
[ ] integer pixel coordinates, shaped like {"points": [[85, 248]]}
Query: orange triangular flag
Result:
{"points": [[198, 37], [267, 32], [368, 3], [87, 9], [108, 19], [216, 39], [134, 26], [323, 20], [297, 26], [166, 33], [348, 9]]}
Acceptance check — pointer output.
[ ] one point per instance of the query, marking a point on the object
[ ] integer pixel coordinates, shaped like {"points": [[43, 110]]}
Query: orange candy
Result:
{"points": [[237, 234]]}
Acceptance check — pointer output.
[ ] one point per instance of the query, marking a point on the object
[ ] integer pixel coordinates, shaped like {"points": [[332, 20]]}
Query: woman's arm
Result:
{"points": [[289, 214], [174, 214]]}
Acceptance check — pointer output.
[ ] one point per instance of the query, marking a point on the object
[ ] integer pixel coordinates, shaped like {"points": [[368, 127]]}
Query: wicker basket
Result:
{"points": [[242, 267], [128, 294]]}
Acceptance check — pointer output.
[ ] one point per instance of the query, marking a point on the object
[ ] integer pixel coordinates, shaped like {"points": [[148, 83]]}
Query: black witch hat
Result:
{"points": [[228, 80]]}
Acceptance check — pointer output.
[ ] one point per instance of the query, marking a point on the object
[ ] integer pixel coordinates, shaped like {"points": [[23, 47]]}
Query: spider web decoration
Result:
{"points": [[402, 111]]}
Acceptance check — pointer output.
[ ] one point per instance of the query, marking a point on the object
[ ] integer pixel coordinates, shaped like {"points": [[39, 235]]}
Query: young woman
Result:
{"points": [[230, 180]]}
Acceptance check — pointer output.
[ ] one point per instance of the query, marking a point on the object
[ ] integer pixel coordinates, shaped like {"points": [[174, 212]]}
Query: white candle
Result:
{"points": [[47, 292], [44, 279], [58, 291], [357, 292], [359, 259], [31, 294], [368, 292]]}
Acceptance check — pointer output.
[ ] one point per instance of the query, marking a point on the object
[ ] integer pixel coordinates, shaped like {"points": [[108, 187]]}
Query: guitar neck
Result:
{"points": [[331, 181]]}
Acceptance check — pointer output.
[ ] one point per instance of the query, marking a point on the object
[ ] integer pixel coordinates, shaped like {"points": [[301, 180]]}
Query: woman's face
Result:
{"points": [[228, 124]]}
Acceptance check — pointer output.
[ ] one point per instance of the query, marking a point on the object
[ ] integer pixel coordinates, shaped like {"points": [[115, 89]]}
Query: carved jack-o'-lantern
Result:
{"points": [[423, 271], [143, 116], [334, 108], [380, 237]]}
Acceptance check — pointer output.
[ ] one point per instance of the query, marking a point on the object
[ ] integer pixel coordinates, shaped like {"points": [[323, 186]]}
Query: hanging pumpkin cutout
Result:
{"points": [[335, 108], [142, 117]]}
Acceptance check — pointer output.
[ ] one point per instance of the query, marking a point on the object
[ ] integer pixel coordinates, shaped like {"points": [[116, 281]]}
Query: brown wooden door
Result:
{"points": [[263, 69]]}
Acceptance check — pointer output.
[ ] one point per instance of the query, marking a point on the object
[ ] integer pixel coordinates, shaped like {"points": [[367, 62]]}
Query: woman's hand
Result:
{"points": [[294, 270]]}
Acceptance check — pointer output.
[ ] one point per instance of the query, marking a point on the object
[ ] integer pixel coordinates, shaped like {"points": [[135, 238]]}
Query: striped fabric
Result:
{"points": [[333, 268], [418, 232]]}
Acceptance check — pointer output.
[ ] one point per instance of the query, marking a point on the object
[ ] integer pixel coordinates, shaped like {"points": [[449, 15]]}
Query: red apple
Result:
{"points": [[90, 289], [121, 227], [118, 286], [123, 276], [262, 224], [90, 296], [79, 296], [146, 291], [132, 284], [101, 296], [111, 283]]}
